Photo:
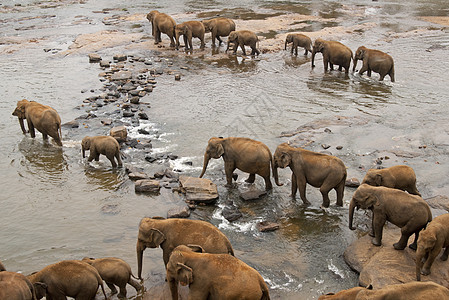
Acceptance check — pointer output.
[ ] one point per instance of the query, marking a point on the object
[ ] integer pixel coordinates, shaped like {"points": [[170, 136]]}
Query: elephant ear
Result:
{"points": [[85, 143], [40, 289], [196, 248], [156, 237], [430, 241], [185, 274], [220, 150], [378, 179], [286, 159]]}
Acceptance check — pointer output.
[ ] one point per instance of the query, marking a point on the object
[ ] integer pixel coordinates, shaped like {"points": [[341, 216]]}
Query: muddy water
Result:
{"points": [[56, 207]]}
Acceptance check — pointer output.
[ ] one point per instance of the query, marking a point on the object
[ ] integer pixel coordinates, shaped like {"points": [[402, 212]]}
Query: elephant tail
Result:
{"points": [[265, 294]]}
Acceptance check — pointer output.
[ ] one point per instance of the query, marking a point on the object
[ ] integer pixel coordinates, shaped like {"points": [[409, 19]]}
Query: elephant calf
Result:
{"points": [[374, 60], [243, 38], [409, 212], [397, 177], [334, 53], [319, 170], [188, 30], [298, 40], [102, 144], [218, 27], [430, 242], [213, 276], [114, 271]]}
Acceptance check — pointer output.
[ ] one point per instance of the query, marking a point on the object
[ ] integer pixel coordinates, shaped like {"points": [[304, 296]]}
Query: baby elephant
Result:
{"points": [[243, 38], [298, 40], [374, 60], [188, 30], [218, 27], [396, 177], [102, 144], [430, 242], [114, 271]]}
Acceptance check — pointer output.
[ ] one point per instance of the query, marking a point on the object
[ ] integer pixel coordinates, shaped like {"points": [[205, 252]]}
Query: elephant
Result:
{"points": [[102, 144], [244, 154], [218, 27], [70, 278], [41, 117], [409, 212], [188, 30], [430, 242], [162, 23], [170, 233], [213, 276], [15, 286], [334, 53], [298, 40], [403, 291], [243, 38], [374, 60], [317, 169], [397, 177], [114, 271]]}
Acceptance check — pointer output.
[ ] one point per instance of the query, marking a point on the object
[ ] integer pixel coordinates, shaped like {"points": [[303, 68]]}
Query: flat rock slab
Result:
{"points": [[120, 133], [252, 195], [381, 266], [147, 186], [179, 212], [266, 226], [198, 189], [121, 75], [137, 176]]}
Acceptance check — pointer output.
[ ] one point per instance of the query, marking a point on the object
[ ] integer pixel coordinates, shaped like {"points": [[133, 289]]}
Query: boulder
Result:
{"points": [[198, 189], [120, 133], [94, 57], [147, 186], [252, 195], [381, 266], [352, 182], [179, 212]]}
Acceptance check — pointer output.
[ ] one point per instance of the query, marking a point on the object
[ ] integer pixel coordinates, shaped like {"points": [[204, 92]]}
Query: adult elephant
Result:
{"points": [[188, 30], [213, 276], [41, 117], [170, 233], [218, 27], [102, 144], [317, 169], [374, 60], [398, 177], [334, 53], [404, 291], [243, 38], [162, 23], [298, 40], [15, 286], [70, 278], [114, 271], [409, 212], [430, 242], [245, 154]]}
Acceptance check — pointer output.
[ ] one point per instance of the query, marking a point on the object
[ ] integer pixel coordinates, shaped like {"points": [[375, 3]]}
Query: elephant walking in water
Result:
{"points": [[218, 27], [162, 23], [374, 60], [334, 53], [298, 40], [102, 144]]}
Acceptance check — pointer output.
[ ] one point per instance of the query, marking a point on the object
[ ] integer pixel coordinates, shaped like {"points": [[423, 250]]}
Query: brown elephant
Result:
{"points": [[243, 38], [114, 271], [70, 278], [188, 30], [15, 286], [430, 242], [317, 169], [298, 40], [374, 60], [334, 53], [41, 117], [397, 177], [170, 233], [162, 23], [102, 144], [218, 27], [404, 291], [409, 212], [245, 154], [213, 276]]}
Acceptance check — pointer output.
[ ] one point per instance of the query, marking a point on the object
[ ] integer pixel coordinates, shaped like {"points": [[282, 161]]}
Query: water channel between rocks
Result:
{"points": [[55, 206]]}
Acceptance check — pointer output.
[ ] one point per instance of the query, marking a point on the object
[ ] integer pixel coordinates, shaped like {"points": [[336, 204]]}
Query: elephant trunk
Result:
{"points": [[355, 64], [205, 163], [275, 172], [139, 249], [177, 40], [84, 151], [313, 58], [419, 263], [285, 47], [352, 206], [22, 126]]}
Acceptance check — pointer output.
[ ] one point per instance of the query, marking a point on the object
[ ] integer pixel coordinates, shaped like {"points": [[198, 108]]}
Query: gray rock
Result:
{"points": [[231, 213], [94, 57], [198, 189], [177, 77], [121, 75], [325, 146], [134, 100], [339, 147], [169, 173], [106, 122], [252, 195], [137, 175], [105, 64], [179, 212], [120, 133], [265, 226], [352, 182], [147, 186], [127, 114], [143, 116], [120, 57], [71, 124]]}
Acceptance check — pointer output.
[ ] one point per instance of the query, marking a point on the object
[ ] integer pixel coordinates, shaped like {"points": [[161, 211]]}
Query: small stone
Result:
{"points": [[265, 226], [252, 195], [339, 147], [71, 124], [143, 116], [127, 114], [327, 130], [147, 186], [150, 159], [137, 176], [177, 77], [148, 89], [231, 213], [120, 57], [105, 64], [106, 122], [179, 212], [134, 100], [352, 182], [325, 146], [94, 57]]}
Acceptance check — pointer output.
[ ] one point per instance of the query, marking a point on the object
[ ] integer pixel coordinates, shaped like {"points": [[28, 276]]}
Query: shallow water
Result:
{"points": [[56, 207]]}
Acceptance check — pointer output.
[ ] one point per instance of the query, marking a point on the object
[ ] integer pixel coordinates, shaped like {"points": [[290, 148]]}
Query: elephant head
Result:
{"points": [[288, 39], [207, 25], [318, 46], [85, 145], [151, 15], [426, 242], [363, 198], [214, 149], [282, 157], [180, 29], [148, 237], [232, 38], [359, 54], [20, 112], [373, 178]]}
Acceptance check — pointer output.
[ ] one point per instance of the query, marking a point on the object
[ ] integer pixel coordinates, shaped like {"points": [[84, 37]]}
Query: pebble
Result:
{"points": [[94, 57], [120, 57], [325, 146], [339, 147], [178, 77], [143, 116]]}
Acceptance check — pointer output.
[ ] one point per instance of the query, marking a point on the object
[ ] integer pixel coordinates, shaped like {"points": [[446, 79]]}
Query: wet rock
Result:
{"points": [[120, 133], [133, 169], [134, 100], [231, 213], [150, 159], [127, 114], [198, 189], [177, 77], [252, 195], [159, 174], [143, 116], [179, 212], [439, 202], [120, 57], [71, 124], [266, 226], [132, 143], [106, 122], [142, 131], [105, 64], [94, 57], [137, 175], [121, 75], [147, 186], [148, 89], [352, 182], [169, 173], [381, 266], [325, 146], [339, 147]]}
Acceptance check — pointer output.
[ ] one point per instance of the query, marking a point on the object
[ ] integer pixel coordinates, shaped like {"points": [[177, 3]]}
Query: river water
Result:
{"points": [[55, 207]]}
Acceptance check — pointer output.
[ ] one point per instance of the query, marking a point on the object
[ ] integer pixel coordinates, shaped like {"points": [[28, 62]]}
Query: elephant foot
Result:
{"points": [[376, 243], [413, 246], [306, 203], [229, 185], [371, 233], [398, 246], [425, 272]]}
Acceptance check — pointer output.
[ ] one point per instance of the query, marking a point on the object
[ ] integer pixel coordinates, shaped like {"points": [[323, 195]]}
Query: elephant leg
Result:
{"points": [[31, 129], [305, 51], [429, 261], [234, 49], [97, 156], [91, 156], [251, 178], [363, 69], [301, 182], [268, 185], [368, 73], [414, 245], [157, 36], [296, 50], [324, 189], [186, 45], [112, 287], [405, 234], [122, 293], [381, 78], [189, 39], [371, 233], [391, 77], [325, 62], [229, 169], [378, 225], [331, 66], [172, 41], [340, 68], [45, 136], [242, 46], [291, 51], [213, 39], [294, 186], [119, 159], [445, 254], [340, 189], [111, 158], [220, 41]]}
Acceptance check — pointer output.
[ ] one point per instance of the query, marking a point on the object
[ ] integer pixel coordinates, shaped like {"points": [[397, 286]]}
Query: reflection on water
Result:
{"points": [[108, 179]]}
